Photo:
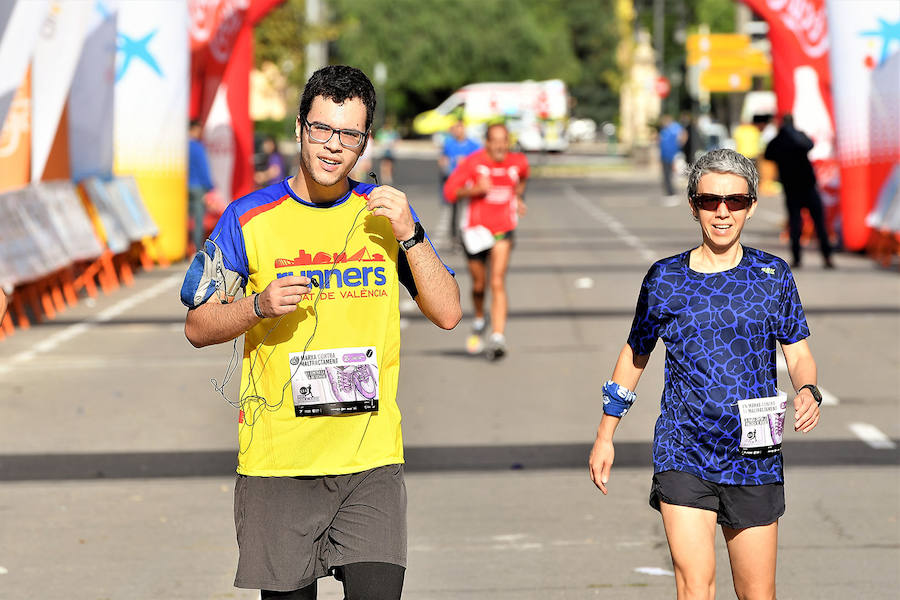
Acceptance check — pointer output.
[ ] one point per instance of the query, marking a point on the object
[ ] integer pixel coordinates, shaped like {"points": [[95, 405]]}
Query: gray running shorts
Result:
{"points": [[293, 530]]}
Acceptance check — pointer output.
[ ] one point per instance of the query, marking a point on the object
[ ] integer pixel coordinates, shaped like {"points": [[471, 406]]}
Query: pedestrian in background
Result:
{"points": [[672, 137], [457, 146], [492, 183], [199, 183], [789, 150], [271, 169], [386, 140], [719, 308]]}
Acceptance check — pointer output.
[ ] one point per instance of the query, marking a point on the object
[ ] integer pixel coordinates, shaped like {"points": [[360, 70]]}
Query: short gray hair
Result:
{"points": [[723, 160]]}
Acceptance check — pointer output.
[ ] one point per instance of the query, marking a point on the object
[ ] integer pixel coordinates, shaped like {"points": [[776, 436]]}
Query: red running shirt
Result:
{"points": [[496, 210]]}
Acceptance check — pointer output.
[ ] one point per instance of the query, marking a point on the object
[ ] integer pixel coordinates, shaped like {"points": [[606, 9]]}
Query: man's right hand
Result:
{"points": [[282, 295]]}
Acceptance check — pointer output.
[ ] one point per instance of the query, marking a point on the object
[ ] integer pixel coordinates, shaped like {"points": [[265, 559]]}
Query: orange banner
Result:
{"points": [[15, 140]]}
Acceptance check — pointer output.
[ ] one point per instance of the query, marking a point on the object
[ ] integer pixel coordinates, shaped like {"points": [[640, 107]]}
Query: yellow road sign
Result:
{"points": [[717, 42], [725, 80]]}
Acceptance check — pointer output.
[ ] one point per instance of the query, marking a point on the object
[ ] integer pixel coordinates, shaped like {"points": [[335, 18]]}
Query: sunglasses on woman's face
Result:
{"points": [[711, 202]]}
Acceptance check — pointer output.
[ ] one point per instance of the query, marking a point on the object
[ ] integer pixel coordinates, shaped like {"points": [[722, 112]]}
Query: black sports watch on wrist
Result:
{"points": [[814, 391], [418, 237]]}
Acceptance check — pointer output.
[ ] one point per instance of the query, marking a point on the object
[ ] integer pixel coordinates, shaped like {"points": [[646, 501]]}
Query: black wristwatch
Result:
{"points": [[814, 391], [418, 237]]}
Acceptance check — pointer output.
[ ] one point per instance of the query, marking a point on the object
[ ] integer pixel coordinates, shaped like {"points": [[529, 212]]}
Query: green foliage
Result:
{"points": [[595, 38], [432, 48], [281, 38], [718, 14]]}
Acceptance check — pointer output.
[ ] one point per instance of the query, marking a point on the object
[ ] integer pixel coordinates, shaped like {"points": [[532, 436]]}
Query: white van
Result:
{"points": [[536, 112]]}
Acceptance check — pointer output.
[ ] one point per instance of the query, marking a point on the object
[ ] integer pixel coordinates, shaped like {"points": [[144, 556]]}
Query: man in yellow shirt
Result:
{"points": [[320, 257]]}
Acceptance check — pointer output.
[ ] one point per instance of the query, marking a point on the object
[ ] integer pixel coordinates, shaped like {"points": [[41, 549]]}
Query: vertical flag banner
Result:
{"points": [[151, 106], [865, 63], [215, 26], [798, 32], [92, 96], [53, 67], [20, 34], [221, 59], [15, 139]]}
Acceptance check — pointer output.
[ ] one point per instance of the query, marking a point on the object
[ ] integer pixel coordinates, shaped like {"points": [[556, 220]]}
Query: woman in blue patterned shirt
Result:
{"points": [[719, 308]]}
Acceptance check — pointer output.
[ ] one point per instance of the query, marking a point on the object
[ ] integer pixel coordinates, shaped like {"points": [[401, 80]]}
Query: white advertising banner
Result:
{"points": [[865, 36], [20, 35], [91, 98], [865, 66], [53, 67], [151, 107]]}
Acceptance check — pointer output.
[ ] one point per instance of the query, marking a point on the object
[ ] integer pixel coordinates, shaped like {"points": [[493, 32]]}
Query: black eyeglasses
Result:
{"points": [[321, 133], [733, 202]]}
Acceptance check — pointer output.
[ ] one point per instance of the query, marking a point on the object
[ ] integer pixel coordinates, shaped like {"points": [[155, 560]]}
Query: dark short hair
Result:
{"points": [[338, 83]]}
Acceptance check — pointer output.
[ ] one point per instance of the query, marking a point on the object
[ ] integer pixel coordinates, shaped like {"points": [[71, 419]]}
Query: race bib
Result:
{"points": [[334, 382], [762, 425]]}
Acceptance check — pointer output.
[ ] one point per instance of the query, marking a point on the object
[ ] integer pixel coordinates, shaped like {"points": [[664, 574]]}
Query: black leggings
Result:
{"points": [[362, 581]]}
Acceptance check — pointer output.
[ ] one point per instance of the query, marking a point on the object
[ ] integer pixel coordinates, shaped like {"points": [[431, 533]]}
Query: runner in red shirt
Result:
{"points": [[492, 181]]}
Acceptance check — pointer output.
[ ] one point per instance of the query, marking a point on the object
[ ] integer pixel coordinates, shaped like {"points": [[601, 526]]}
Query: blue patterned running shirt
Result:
{"points": [[719, 330]]}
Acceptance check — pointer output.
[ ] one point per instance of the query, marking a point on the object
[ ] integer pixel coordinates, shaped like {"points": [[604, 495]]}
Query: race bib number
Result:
{"points": [[334, 382], [762, 425]]}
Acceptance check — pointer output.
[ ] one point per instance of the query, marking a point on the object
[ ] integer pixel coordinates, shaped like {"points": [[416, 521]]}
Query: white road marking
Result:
{"points": [[828, 399], [512, 537], [82, 362], [612, 223], [872, 436], [72, 331], [654, 571], [584, 283]]}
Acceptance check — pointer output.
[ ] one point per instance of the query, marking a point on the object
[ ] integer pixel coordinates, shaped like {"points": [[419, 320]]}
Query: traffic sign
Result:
{"points": [[724, 80], [662, 86], [717, 42]]}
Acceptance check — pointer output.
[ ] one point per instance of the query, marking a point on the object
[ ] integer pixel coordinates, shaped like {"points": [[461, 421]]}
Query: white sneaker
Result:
{"points": [[496, 346]]}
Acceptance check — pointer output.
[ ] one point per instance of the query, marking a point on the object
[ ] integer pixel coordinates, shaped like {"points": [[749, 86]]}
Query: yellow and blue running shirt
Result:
{"points": [[318, 388]]}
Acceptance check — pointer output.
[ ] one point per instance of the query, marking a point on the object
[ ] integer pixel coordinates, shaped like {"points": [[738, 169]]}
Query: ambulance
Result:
{"points": [[536, 112]]}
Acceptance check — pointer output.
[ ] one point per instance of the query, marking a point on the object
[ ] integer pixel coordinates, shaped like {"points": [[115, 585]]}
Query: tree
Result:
{"points": [[432, 48], [595, 38]]}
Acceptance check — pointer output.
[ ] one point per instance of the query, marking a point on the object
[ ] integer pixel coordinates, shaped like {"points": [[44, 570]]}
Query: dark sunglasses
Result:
{"points": [[733, 202]]}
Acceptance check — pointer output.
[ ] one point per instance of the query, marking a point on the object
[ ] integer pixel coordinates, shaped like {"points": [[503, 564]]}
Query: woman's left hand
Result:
{"points": [[806, 411]]}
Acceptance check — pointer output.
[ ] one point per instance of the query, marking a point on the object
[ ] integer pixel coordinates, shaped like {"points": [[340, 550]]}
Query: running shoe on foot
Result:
{"points": [[474, 343], [496, 346]]}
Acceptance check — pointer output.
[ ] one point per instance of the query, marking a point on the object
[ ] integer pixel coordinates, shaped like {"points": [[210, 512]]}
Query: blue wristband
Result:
{"points": [[617, 399]]}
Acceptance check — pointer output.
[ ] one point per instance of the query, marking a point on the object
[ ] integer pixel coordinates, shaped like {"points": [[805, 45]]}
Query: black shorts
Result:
{"points": [[737, 506], [483, 255]]}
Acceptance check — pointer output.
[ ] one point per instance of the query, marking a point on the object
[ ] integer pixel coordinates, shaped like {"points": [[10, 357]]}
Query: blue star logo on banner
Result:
{"points": [[135, 48], [888, 32]]}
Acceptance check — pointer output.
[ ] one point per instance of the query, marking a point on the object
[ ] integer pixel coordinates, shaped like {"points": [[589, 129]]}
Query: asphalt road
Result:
{"points": [[116, 454]]}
